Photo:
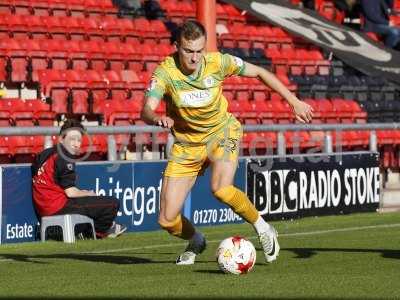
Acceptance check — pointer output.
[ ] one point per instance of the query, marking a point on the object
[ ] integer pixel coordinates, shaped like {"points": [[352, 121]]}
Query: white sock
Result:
{"points": [[260, 225]]}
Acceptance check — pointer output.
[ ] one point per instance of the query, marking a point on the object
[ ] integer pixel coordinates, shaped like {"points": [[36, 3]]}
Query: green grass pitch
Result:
{"points": [[339, 257]]}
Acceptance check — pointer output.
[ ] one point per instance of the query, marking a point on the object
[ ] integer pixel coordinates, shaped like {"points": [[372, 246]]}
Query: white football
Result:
{"points": [[236, 255]]}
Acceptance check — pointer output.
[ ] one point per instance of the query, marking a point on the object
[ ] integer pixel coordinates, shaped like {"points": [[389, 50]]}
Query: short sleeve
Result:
{"points": [[232, 65], [65, 175], [157, 85]]}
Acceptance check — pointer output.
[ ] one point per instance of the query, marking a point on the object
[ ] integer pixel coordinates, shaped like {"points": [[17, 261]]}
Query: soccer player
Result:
{"points": [[205, 134], [54, 188]]}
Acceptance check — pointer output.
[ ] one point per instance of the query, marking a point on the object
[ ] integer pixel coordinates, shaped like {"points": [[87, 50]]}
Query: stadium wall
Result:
{"points": [[137, 185], [280, 187]]}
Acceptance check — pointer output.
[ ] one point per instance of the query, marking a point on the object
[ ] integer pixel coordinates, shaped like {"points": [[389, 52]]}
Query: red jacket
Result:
{"points": [[52, 172]]}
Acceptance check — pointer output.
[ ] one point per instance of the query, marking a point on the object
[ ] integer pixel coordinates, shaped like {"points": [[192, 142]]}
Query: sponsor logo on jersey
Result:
{"points": [[195, 98]]}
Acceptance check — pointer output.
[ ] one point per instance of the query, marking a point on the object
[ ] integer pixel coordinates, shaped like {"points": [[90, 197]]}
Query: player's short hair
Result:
{"points": [[190, 30], [69, 124]]}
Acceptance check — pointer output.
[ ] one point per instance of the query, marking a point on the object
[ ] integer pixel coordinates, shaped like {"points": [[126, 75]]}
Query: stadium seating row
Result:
{"points": [[176, 11], [35, 112], [72, 91], [246, 36], [18, 112], [361, 88], [298, 61], [46, 7], [122, 112], [20, 58], [22, 149], [95, 28]]}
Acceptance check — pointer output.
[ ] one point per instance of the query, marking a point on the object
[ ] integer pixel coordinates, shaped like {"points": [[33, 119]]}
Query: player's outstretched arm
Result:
{"points": [[302, 110], [149, 115]]}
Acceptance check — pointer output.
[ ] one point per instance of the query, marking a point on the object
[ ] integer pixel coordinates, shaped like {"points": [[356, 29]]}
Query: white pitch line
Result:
{"points": [[251, 237], [341, 229]]}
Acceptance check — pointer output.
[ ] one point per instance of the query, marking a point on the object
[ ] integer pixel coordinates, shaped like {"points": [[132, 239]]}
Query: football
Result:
{"points": [[236, 255]]}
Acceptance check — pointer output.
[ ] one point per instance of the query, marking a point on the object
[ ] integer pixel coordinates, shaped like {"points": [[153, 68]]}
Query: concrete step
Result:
{"points": [[390, 196], [390, 200], [389, 209]]}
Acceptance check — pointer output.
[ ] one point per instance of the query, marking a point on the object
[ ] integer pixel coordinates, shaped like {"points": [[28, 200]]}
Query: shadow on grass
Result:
{"points": [[119, 260], [217, 272], [303, 253], [111, 259], [185, 298]]}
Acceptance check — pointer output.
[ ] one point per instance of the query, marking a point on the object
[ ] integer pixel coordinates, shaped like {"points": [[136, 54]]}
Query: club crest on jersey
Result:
{"points": [[208, 81], [195, 98], [152, 85], [238, 61]]}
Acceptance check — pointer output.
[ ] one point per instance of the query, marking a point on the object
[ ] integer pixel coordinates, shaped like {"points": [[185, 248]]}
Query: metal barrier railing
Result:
{"points": [[280, 129]]}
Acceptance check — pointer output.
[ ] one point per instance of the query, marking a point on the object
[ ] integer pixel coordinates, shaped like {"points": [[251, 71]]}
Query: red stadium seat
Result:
{"points": [[222, 16], [23, 148], [127, 28], [5, 113], [259, 143], [80, 102], [100, 7], [18, 57], [235, 108], [324, 106], [5, 150], [234, 14], [57, 53], [178, 11], [57, 26], [160, 31], [343, 110], [22, 112], [111, 28], [42, 114], [94, 146], [18, 25], [92, 28]]}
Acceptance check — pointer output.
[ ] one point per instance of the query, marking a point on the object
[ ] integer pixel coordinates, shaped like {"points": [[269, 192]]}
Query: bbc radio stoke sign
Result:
{"points": [[296, 187]]}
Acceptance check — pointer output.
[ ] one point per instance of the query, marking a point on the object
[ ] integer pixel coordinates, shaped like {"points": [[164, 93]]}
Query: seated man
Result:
{"points": [[376, 13], [54, 186]]}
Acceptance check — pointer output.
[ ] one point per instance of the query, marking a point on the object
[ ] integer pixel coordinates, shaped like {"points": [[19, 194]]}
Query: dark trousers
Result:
{"points": [[391, 33], [101, 209]]}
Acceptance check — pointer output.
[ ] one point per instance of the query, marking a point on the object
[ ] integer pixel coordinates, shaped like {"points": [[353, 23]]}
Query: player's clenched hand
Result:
{"points": [[164, 121], [303, 111]]}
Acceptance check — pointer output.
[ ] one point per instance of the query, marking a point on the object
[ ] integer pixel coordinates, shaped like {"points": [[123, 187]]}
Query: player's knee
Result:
{"points": [[168, 223], [217, 187], [172, 226], [214, 188]]}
